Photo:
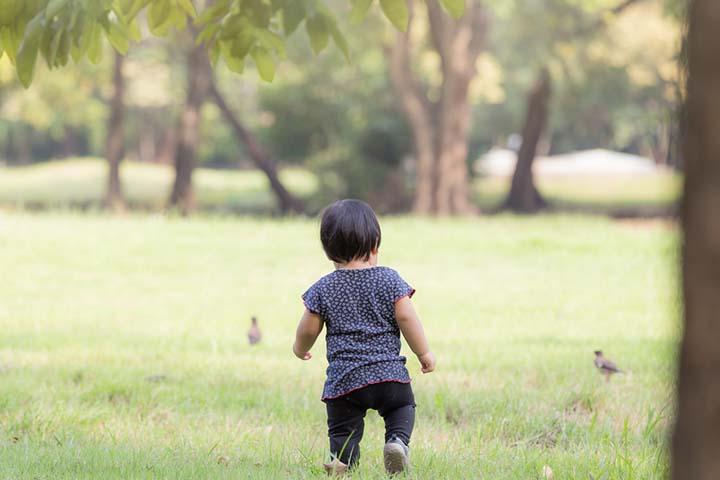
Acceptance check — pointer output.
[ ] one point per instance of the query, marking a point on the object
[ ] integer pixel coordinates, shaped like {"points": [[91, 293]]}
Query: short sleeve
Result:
{"points": [[399, 288], [311, 299]]}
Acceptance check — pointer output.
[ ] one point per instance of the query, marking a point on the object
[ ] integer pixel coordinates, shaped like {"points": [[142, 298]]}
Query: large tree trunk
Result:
{"points": [[418, 110], [458, 42], [440, 128], [188, 136], [115, 142], [287, 201], [696, 441], [524, 196]]}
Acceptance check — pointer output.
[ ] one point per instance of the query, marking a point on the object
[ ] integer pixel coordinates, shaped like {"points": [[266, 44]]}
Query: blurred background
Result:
{"points": [[586, 91]]}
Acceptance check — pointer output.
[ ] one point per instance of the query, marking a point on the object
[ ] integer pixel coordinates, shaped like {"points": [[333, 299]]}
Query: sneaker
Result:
{"points": [[397, 456], [335, 467]]}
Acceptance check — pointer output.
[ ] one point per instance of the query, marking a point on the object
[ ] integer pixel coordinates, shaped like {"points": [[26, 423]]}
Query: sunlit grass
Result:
{"points": [[123, 350], [604, 194], [82, 182]]}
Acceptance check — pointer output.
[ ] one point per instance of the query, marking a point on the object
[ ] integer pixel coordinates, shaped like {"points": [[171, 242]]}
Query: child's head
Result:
{"points": [[349, 231]]}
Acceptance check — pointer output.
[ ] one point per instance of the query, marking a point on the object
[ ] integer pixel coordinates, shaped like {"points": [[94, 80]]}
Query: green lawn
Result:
{"points": [[623, 194], [81, 183], [91, 307]]}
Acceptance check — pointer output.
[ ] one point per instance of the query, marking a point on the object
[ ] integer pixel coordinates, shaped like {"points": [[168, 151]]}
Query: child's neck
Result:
{"points": [[356, 264]]}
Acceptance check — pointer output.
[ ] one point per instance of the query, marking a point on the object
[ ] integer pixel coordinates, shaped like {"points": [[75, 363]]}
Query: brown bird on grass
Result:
{"points": [[606, 366], [254, 334]]}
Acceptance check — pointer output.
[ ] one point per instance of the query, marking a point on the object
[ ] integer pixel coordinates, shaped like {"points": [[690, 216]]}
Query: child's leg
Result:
{"points": [[397, 408], [346, 422]]}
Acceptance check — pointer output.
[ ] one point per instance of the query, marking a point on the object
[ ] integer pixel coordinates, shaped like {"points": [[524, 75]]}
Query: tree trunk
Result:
{"points": [[286, 200], [524, 196], [458, 42], [188, 136], [696, 441], [440, 128], [115, 142], [417, 109]]}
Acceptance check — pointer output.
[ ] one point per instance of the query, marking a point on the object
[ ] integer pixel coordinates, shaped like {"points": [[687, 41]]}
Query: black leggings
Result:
{"points": [[346, 417]]}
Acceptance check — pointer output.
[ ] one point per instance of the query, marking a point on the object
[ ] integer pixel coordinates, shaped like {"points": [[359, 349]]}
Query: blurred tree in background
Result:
{"points": [[615, 85]]}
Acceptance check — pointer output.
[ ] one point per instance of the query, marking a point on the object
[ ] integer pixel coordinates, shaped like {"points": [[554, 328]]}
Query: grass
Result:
{"points": [[81, 183], [622, 194], [123, 350]]}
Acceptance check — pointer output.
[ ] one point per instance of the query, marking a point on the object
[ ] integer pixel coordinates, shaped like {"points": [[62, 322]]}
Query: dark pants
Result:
{"points": [[346, 417]]}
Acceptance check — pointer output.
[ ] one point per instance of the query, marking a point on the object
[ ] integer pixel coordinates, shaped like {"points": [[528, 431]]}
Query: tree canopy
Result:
{"points": [[60, 30]]}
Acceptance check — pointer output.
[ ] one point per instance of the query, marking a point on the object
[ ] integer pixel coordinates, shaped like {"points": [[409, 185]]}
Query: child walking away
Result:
{"points": [[364, 307]]}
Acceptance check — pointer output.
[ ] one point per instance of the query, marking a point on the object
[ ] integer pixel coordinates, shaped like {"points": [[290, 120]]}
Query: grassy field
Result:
{"points": [[123, 350], [81, 183], [614, 195]]}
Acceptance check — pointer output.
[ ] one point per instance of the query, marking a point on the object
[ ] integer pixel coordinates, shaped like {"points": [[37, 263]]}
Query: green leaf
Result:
{"points": [[133, 7], [397, 12], [63, 53], [118, 36], [207, 33], [264, 63], [292, 15], [317, 30], [158, 17], [235, 62], [54, 7], [94, 43], [188, 7], [456, 8], [259, 13], [359, 10], [134, 31], [272, 42], [218, 10], [26, 60], [54, 46], [27, 55], [11, 41], [339, 39]]}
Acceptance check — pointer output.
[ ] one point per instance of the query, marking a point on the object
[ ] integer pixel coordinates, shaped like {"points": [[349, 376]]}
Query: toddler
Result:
{"points": [[364, 307]]}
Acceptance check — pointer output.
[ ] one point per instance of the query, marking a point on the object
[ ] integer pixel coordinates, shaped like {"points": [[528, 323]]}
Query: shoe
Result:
{"points": [[396, 455], [335, 467]]}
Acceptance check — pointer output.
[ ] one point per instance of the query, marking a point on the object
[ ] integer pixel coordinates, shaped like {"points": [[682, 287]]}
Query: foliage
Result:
{"points": [[341, 123], [615, 78], [232, 29]]}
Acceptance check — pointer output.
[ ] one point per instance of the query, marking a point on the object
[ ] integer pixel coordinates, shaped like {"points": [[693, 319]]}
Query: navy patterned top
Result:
{"points": [[363, 338]]}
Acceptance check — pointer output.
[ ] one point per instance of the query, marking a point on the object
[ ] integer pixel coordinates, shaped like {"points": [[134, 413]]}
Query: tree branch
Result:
{"points": [[259, 156]]}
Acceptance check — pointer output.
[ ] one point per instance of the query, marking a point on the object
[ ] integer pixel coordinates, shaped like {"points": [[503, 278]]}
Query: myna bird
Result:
{"points": [[254, 334], [606, 366]]}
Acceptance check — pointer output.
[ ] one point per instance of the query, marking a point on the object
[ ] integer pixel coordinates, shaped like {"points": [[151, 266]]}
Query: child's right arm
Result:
{"points": [[412, 330], [308, 330]]}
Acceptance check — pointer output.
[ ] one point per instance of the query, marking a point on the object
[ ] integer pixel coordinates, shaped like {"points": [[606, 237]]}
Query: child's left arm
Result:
{"points": [[308, 330]]}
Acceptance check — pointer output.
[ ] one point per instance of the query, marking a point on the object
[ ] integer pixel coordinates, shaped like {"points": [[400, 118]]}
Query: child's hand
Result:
{"points": [[427, 362], [302, 355]]}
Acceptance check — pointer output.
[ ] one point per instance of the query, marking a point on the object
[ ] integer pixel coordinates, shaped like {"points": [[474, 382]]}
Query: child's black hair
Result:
{"points": [[349, 230]]}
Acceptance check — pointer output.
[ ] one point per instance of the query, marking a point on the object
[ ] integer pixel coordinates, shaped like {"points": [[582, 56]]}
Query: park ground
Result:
{"points": [[80, 184], [123, 350]]}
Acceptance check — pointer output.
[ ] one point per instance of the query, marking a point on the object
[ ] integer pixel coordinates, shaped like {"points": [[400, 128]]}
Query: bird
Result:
{"points": [[606, 366], [254, 334]]}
